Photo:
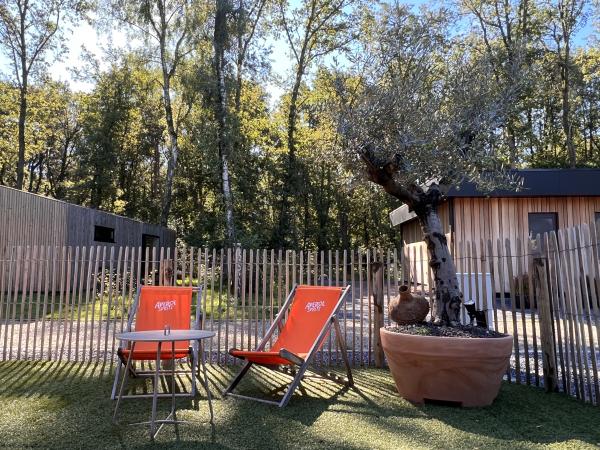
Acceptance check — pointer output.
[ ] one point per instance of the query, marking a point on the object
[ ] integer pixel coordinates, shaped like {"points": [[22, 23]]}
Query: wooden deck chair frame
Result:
{"points": [[193, 353], [297, 362]]}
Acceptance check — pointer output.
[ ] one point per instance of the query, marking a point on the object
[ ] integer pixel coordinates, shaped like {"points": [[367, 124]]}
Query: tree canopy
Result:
{"points": [[197, 128]]}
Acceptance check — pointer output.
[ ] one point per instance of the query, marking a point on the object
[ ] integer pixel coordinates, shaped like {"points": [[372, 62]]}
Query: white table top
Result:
{"points": [[160, 336]]}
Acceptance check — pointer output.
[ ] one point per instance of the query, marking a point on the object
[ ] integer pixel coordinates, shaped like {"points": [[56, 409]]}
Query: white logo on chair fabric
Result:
{"points": [[314, 306], [166, 305]]}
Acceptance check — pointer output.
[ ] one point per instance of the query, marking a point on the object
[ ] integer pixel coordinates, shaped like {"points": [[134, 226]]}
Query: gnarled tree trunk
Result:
{"points": [[447, 293], [448, 296]]}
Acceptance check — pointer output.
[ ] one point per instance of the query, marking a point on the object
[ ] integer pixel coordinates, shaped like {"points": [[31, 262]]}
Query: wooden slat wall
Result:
{"points": [[29, 219], [411, 231], [499, 218], [507, 218]]}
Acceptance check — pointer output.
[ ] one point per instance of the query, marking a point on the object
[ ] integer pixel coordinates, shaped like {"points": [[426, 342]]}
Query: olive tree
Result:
{"points": [[425, 114]]}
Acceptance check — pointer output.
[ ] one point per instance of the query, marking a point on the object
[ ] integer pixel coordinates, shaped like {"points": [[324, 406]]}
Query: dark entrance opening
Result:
{"points": [[149, 246]]}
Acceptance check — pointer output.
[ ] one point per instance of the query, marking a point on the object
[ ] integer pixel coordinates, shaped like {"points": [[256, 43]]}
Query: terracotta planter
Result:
{"points": [[463, 370]]}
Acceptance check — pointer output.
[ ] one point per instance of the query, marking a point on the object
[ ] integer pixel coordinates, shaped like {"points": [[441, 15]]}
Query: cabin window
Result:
{"points": [[540, 223], [104, 234]]}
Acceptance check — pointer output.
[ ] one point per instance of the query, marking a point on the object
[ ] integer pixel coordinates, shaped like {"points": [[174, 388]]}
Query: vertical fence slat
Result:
{"points": [[6, 350], [109, 294], [79, 299], [580, 313], [88, 282], [236, 274], [555, 292], [34, 265], [243, 317], [595, 298], [360, 290], [585, 322], [548, 350], [490, 261], [515, 329], [502, 274], [576, 308], [271, 293], [94, 299], [67, 301], [227, 305], [261, 316], [534, 313], [345, 305], [45, 304], [353, 299], [23, 297], [53, 270], [569, 312], [212, 302], [571, 371], [254, 309], [3, 281], [251, 297], [520, 275]]}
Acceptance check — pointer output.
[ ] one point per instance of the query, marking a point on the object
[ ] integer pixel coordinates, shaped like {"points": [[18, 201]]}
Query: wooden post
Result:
{"points": [[546, 329], [377, 289]]}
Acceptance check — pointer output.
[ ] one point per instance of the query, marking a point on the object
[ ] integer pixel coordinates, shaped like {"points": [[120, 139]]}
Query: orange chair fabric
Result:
{"points": [[159, 306], [311, 307]]}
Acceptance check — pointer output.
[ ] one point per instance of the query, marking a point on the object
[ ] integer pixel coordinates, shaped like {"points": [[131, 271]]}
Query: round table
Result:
{"points": [[164, 336]]}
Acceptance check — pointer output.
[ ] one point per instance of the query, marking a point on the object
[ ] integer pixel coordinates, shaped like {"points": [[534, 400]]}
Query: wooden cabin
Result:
{"points": [[28, 219], [549, 199]]}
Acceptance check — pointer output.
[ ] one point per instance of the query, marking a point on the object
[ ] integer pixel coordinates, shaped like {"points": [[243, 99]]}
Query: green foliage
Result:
{"points": [[108, 148]]}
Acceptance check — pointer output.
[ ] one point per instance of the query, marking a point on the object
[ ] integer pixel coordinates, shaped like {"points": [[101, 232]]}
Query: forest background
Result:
{"points": [[220, 118]]}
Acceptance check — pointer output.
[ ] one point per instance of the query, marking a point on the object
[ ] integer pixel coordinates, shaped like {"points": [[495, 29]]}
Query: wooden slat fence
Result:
{"points": [[67, 303]]}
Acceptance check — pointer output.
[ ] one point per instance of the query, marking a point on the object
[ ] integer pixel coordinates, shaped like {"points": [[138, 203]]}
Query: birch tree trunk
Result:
{"points": [[173, 150], [223, 144]]}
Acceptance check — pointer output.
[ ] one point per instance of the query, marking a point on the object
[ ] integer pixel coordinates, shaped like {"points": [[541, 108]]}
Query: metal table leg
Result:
{"points": [[155, 393], [173, 384], [124, 380], [206, 384]]}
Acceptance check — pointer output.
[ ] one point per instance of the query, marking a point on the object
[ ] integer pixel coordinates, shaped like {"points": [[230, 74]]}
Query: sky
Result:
{"points": [[84, 35]]}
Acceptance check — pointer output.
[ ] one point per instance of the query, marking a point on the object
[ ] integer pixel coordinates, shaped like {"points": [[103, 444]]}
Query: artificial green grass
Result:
{"points": [[67, 405]]}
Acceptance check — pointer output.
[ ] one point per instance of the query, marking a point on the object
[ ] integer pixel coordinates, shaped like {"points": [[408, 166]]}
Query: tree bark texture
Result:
{"points": [[167, 74], [448, 296], [21, 137], [22, 102]]}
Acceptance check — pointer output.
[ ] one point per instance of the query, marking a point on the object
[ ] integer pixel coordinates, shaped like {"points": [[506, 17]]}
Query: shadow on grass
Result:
{"points": [[66, 405]]}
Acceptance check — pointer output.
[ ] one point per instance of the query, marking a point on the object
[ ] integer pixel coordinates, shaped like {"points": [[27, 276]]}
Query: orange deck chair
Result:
{"points": [[154, 308], [310, 312]]}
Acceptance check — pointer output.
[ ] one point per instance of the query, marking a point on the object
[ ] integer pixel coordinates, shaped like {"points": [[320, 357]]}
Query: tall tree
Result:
{"points": [[509, 31], [567, 17], [220, 42], [247, 20], [168, 29], [427, 117], [313, 30], [30, 30]]}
